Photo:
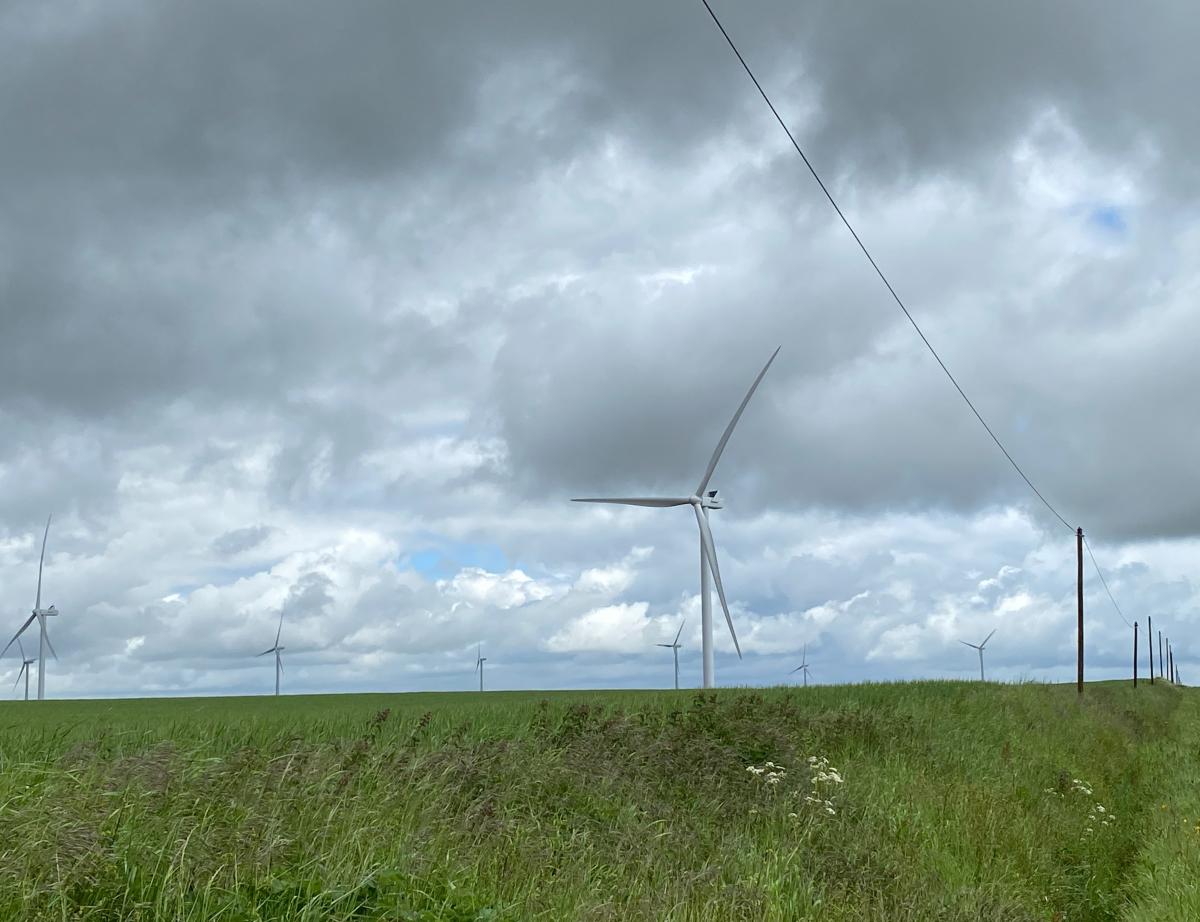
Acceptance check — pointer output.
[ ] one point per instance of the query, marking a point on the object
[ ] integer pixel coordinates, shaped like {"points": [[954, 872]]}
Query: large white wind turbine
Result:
{"points": [[277, 650], [702, 501], [803, 667], [41, 614], [674, 648], [480, 659], [26, 662], [979, 647]]}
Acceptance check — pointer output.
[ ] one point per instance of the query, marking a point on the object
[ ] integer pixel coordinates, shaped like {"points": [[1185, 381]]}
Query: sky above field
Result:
{"points": [[329, 309]]}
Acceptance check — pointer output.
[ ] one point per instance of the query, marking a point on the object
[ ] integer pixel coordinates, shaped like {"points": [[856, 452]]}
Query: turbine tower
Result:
{"points": [[480, 659], [277, 650], [980, 647], [26, 662], [674, 647], [803, 667], [701, 501], [41, 614]]}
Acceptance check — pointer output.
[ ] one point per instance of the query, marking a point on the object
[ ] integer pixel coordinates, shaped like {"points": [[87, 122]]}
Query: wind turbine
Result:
{"points": [[702, 501], [26, 662], [41, 614], [480, 659], [277, 650], [803, 667], [980, 647], [674, 647]]}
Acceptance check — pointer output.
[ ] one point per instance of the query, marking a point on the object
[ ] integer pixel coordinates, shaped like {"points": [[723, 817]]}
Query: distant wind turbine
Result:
{"points": [[674, 648], [980, 647], [277, 650], [480, 659], [702, 501], [26, 662], [803, 667], [41, 614]]}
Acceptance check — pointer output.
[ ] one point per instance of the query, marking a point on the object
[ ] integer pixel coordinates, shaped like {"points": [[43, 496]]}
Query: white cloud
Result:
{"points": [[618, 628]]}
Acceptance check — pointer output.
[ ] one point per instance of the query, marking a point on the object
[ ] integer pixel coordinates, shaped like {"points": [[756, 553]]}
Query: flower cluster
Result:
{"points": [[1077, 787], [770, 773], [1098, 815], [821, 775]]}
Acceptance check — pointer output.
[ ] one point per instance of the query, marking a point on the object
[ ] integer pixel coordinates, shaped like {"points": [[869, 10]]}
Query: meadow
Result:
{"points": [[918, 801]]}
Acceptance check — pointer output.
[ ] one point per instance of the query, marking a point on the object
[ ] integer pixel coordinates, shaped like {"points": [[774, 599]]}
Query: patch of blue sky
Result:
{"points": [[448, 557], [1109, 218]]}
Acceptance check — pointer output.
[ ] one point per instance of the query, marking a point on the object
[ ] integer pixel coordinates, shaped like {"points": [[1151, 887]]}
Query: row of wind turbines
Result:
{"points": [[702, 500]]}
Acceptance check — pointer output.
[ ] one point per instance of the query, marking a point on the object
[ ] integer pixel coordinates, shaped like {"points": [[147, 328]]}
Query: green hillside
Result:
{"points": [[923, 801]]}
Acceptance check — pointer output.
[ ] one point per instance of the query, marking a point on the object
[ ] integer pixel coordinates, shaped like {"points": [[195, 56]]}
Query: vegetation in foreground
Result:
{"points": [[924, 801]]}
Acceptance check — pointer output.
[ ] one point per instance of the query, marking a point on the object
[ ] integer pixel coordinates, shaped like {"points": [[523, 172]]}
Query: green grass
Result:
{"points": [[958, 803]]}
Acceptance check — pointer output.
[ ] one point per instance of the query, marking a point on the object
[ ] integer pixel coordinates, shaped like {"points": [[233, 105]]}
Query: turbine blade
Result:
{"points": [[28, 621], [971, 645], [21, 647], [279, 632], [712, 465], [51, 646], [279, 662], [42, 560], [657, 502], [986, 639], [710, 553], [265, 652], [20, 673], [797, 669], [680, 632], [667, 645]]}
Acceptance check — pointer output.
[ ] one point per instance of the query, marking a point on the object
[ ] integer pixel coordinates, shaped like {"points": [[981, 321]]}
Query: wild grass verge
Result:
{"points": [[923, 801]]}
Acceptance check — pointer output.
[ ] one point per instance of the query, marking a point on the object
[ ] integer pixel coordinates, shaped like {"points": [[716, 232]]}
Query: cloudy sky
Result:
{"points": [[329, 309]]}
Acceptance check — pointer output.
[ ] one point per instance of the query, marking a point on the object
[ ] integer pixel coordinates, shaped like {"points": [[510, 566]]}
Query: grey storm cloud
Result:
{"points": [[424, 273], [241, 539]]}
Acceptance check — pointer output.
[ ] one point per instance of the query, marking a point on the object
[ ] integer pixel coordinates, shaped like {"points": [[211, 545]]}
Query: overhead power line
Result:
{"points": [[1104, 582], [874, 265]]}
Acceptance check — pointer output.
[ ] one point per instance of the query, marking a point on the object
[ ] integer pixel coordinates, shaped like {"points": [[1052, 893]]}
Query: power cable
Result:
{"points": [[1104, 582], [874, 265]]}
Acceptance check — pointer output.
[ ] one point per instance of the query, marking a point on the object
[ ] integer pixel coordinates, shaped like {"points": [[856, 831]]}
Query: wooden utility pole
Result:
{"points": [[1150, 644], [1079, 594], [1135, 654], [1161, 662], [1171, 656]]}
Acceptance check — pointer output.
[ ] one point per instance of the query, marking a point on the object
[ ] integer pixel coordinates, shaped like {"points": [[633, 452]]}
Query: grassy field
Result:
{"points": [[923, 801]]}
